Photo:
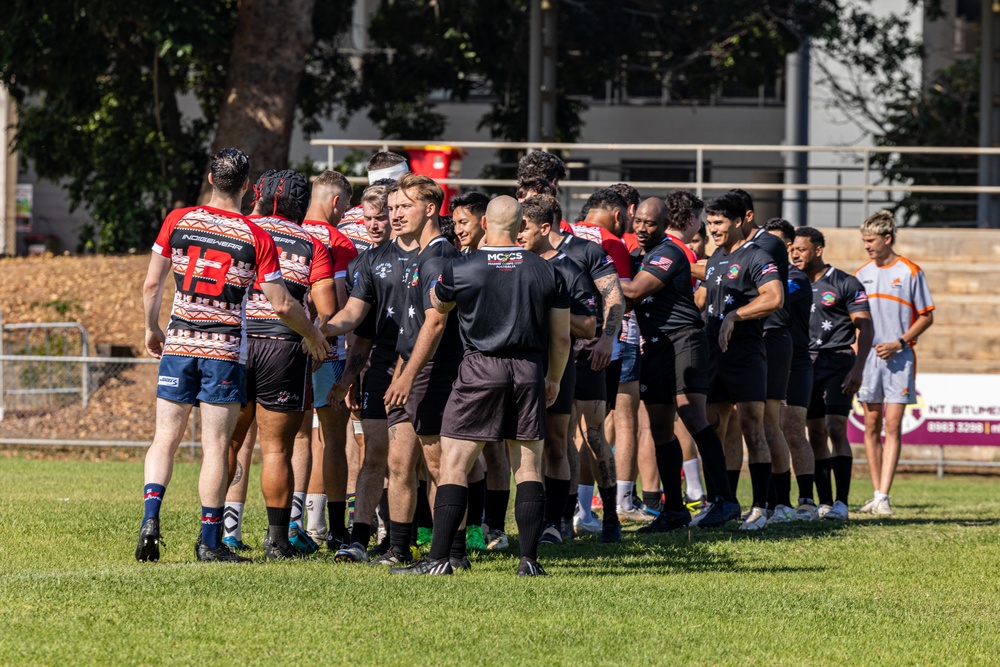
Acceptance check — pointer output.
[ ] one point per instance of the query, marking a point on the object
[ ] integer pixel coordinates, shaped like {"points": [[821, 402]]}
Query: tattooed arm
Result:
{"points": [[614, 308]]}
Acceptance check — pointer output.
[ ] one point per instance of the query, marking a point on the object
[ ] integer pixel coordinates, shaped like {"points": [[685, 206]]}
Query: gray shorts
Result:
{"points": [[892, 380]]}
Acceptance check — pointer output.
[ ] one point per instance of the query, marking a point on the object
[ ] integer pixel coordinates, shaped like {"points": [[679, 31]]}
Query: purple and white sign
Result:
{"points": [[951, 409]]}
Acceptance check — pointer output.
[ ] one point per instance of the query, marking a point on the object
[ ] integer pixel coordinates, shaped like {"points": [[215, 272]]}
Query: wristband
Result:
{"points": [[902, 343]]}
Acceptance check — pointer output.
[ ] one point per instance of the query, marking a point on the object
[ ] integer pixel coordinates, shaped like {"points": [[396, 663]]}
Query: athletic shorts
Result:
{"points": [[630, 363], [497, 398], [740, 374], [611, 375], [830, 368], [800, 384], [429, 395], [676, 364], [277, 375], [892, 380], [591, 385], [778, 347], [192, 380], [376, 382], [564, 402], [323, 378]]}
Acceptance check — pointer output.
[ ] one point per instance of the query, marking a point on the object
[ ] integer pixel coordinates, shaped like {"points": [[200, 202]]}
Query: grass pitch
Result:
{"points": [[918, 588]]}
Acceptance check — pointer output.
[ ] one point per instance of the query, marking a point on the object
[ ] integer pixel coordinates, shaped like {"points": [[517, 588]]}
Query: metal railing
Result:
{"points": [[862, 154]]}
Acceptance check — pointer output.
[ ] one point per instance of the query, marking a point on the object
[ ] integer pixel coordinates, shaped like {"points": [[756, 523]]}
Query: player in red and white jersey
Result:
{"points": [[901, 310], [278, 387], [216, 254], [326, 477], [382, 166]]}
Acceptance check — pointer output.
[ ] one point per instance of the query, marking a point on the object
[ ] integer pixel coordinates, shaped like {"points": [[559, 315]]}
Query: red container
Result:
{"points": [[438, 162]]}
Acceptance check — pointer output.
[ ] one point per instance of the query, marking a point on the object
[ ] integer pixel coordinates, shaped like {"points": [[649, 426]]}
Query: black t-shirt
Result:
{"points": [[427, 266], [732, 282], [381, 280], [778, 252], [594, 261], [671, 309], [503, 296], [798, 303], [579, 287], [836, 295]]}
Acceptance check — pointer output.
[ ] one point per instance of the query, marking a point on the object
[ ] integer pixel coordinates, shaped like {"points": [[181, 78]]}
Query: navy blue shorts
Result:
{"points": [[192, 380], [630, 363]]}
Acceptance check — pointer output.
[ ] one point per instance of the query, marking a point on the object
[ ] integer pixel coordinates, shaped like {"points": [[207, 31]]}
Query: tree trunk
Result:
{"points": [[269, 51]]}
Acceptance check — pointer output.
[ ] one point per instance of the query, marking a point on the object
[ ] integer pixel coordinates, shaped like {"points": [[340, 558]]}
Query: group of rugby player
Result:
{"points": [[444, 354]]}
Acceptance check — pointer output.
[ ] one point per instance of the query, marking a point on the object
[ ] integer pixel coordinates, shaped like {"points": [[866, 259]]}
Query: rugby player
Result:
{"points": [[216, 255], [840, 316], [901, 310], [512, 310]]}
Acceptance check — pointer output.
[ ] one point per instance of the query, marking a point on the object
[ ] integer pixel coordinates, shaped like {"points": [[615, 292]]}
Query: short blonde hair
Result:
{"points": [[881, 223], [376, 195], [415, 186]]}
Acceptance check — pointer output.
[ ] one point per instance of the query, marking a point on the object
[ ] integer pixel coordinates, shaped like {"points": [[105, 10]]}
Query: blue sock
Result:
{"points": [[152, 496], [211, 527]]}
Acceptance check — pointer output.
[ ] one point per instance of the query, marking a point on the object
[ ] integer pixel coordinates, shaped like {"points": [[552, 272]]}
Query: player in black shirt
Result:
{"points": [[380, 282], [513, 310], [742, 286], [674, 372], [798, 303], [840, 314], [534, 237], [778, 346]]}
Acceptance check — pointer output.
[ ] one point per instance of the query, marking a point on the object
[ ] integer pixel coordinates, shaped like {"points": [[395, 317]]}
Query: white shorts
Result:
{"points": [[891, 380]]}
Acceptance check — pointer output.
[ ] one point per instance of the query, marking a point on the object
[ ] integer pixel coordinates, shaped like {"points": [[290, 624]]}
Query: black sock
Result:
{"points": [[361, 533], [477, 500], [383, 507], [713, 463], [450, 507], [336, 512], [571, 503], [423, 517], [824, 489], [670, 461], [772, 494], [457, 545], [781, 482], [278, 519], [653, 500], [496, 508], [760, 480], [609, 498], [841, 466], [805, 483], [734, 480], [556, 491], [529, 513], [399, 536]]}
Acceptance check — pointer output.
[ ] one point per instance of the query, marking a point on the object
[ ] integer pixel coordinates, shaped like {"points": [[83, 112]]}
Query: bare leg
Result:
{"points": [[893, 444], [171, 424], [873, 443]]}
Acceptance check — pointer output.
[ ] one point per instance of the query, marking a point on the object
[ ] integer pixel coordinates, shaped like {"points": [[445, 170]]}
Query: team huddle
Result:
{"points": [[397, 366]]}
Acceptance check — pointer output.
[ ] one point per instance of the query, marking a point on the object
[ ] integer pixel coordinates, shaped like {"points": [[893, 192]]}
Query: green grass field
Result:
{"points": [[919, 588]]}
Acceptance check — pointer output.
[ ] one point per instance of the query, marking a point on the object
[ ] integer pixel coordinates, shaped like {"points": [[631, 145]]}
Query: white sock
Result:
{"points": [[232, 521], [298, 502], [625, 495], [316, 512], [879, 495], [692, 477], [585, 495]]}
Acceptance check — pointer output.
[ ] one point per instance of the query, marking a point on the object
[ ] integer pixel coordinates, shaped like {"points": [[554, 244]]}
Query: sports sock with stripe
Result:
{"points": [[298, 505], [152, 497], [232, 521], [211, 527]]}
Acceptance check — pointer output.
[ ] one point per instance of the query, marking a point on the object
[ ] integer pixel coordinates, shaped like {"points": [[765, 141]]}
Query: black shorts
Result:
{"points": [[376, 382], [277, 374], [676, 364], [564, 402], [429, 396], [591, 385], [497, 398], [739, 375], [612, 377], [800, 383], [829, 371], [778, 346]]}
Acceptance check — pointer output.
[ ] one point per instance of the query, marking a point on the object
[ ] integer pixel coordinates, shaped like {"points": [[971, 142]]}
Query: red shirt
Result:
{"points": [[341, 250], [690, 254], [216, 256], [612, 245], [631, 242]]}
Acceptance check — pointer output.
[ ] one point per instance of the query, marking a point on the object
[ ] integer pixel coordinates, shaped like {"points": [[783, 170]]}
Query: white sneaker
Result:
{"points": [[756, 520], [822, 511], [781, 514], [696, 519], [838, 512], [868, 506], [805, 512], [592, 525], [882, 507]]}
